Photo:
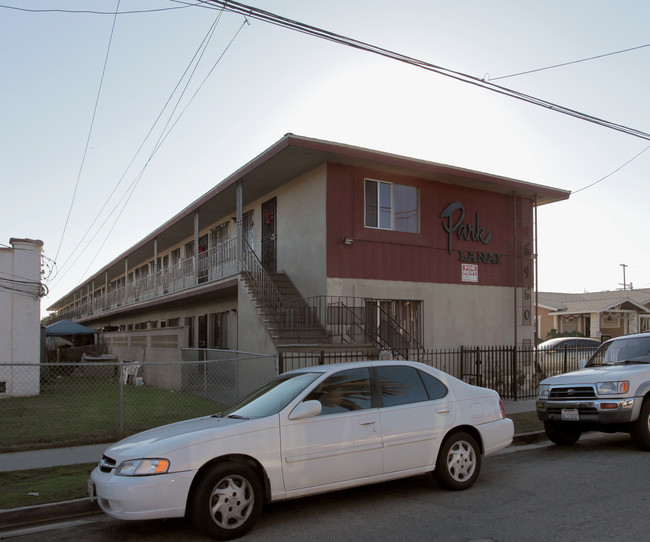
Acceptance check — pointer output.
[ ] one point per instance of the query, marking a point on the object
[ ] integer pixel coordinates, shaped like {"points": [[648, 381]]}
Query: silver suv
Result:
{"points": [[611, 393]]}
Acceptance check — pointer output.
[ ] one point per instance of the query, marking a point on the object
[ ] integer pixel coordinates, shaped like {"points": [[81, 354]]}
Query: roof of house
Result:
{"points": [[295, 155], [590, 302]]}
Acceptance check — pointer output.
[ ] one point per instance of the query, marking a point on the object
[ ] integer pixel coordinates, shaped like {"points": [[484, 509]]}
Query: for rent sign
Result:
{"points": [[469, 272]]}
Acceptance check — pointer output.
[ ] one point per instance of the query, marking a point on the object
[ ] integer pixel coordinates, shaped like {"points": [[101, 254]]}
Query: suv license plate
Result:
{"points": [[570, 414]]}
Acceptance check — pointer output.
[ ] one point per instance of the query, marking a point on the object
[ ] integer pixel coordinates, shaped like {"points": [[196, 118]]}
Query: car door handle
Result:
{"points": [[442, 410], [367, 421]]}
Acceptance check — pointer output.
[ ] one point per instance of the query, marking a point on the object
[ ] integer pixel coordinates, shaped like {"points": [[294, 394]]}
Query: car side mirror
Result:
{"points": [[306, 409], [582, 363]]}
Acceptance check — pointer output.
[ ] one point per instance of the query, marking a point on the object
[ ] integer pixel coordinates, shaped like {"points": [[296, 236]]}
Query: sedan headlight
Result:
{"points": [[142, 467], [543, 391], [613, 388]]}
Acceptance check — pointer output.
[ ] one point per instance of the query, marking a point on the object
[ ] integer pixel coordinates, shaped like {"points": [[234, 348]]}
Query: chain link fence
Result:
{"points": [[101, 399]]}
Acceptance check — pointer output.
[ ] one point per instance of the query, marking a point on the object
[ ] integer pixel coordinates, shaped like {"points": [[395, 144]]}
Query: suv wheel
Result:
{"points": [[561, 433], [640, 432]]}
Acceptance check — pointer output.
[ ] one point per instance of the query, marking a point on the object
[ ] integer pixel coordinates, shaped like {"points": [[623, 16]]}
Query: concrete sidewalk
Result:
{"points": [[52, 457], [55, 457]]}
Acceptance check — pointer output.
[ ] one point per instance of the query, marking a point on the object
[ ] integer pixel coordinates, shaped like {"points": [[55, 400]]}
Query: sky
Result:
{"points": [[111, 125]]}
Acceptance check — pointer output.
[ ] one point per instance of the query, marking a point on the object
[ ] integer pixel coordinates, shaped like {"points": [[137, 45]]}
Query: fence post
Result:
{"points": [[120, 379], [462, 362], [564, 359], [479, 371], [514, 373]]}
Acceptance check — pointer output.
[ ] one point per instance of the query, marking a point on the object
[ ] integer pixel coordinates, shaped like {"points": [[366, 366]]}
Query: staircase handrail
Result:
{"points": [[268, 292]]}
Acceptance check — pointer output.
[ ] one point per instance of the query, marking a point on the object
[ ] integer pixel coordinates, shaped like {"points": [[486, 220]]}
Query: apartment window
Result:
{"points": [[219, 330], [391, 206], [219, 234], [396, 321]]}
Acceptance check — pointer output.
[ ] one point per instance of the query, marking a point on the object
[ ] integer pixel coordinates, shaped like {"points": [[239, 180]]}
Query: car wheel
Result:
{"points": [[640, 432], [562, 434], [226, 501], [459, 462]]}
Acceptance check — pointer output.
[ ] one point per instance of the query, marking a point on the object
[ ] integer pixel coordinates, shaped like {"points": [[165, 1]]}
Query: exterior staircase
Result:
{"points": [[288, 324]]}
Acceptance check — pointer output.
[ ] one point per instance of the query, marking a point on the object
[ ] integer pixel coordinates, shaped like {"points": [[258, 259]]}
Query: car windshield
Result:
{"points": [[631, 350], [272, 397]]}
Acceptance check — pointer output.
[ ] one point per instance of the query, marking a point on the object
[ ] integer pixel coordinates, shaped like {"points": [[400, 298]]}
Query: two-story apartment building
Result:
{"points": [[320, 244]]}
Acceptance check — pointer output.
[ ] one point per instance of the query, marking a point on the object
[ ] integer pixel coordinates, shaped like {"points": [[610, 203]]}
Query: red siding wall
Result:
{"points": [[425, 257]]}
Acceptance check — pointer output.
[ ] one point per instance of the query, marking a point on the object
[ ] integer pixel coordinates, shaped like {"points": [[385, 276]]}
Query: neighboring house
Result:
{"points": [[321, 245], [20, 325], [601, 315]]}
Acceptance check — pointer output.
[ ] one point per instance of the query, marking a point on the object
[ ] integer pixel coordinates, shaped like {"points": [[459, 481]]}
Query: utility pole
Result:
{"points": [[624, 283]]}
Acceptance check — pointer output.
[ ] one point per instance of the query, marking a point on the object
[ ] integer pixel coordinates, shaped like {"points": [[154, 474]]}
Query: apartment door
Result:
{"points": [[269, 252], [203, 331]]}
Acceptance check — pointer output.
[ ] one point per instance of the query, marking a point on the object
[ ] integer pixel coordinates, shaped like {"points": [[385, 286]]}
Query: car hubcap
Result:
{"points": [[461, 461], [231, 502]]}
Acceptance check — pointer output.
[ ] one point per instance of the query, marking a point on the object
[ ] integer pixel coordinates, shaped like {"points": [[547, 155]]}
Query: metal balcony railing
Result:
{"points": [[212, 265]]}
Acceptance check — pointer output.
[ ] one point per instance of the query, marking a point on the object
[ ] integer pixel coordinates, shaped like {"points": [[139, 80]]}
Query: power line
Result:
{"points": [[165, 133], [567, 63], [164, 136], [200, 50], [612, 173], [90, 131], [90, 12], [266, 16]]}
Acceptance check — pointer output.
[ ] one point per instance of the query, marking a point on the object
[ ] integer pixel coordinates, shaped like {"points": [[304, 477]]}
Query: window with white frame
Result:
{"points": [[390, 206]]}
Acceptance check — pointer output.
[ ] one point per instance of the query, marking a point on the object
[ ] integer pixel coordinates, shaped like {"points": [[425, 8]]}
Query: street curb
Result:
{"points": [[26, 515]]}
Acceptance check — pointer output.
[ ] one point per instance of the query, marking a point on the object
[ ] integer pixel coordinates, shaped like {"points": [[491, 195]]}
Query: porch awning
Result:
{"points": [[67, 327]]}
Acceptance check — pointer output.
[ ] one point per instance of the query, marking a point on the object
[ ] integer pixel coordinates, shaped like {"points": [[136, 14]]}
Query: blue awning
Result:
{"points": [[67, 327]]}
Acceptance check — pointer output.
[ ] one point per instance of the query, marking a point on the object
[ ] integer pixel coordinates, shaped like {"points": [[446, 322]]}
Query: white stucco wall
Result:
{"points": [[301, 230], [20, 307], [455, 314]]}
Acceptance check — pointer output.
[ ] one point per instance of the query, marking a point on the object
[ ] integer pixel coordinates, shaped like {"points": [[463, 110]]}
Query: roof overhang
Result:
{"points": [[291, 157]]}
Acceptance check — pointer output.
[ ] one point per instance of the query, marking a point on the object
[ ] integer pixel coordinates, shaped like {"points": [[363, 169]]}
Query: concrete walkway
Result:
{"points": [[52, 457], [55, 457]]}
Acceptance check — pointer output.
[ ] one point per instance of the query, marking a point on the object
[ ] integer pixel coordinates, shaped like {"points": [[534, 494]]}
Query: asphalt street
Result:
{"points": [[593, 491]]}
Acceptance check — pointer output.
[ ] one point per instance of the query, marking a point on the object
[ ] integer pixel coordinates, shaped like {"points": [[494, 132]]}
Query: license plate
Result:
{"points": [[570, 414], [91, 490]]}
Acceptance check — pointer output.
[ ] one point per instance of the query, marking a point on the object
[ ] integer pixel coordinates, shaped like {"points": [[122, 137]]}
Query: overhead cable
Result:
{"points": [[567, 63], [611, 173], [266, 16], [90, 131]]}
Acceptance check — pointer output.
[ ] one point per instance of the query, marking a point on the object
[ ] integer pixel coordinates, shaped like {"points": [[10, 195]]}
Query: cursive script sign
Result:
{"points": [[455, 225]]}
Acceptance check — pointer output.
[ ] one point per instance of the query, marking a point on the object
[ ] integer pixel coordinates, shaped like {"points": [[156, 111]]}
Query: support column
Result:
{"points": [[196, 246], [240, 219]]}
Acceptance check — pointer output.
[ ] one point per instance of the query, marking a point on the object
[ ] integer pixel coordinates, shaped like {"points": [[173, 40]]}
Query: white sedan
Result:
{"points": [[308, 431]]}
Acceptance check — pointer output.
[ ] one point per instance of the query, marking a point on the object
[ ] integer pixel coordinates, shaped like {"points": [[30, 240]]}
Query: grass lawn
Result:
{"points": [[71, 411], [42, 486], [58, 484], [526, 422]]}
